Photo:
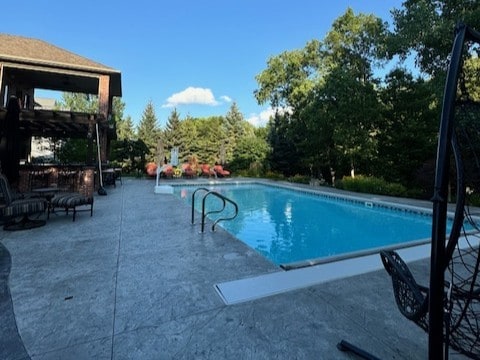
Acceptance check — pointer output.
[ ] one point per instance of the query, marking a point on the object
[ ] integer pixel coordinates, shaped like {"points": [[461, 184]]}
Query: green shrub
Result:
{"points": [[473, 199], [301, 179], [274, 176], [372, 185]]}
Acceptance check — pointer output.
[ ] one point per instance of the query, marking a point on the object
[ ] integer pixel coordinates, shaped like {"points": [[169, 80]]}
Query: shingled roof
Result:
{"points": [[36, 64], [34, 52]]}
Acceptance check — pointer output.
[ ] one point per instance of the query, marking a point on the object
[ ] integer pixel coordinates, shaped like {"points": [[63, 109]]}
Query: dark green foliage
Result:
{"points": [[148, 130], [300, 179], [426, 28], [73, 151], [274, 175], [474, 200], [372, 185], [249, 151], [79, 102], [283, 156], [232, 132], [334, 116], [172, 132], [125, 128], [130, 155], [408, 133]]}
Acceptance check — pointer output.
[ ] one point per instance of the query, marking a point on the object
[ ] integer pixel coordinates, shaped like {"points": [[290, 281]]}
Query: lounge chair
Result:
{"points": [[187, 171], [151, 169], [220, 171], [166, 171], [12, 207], [206, 170]]}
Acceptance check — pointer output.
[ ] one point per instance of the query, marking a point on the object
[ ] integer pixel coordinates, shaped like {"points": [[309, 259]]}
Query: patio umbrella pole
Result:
{"points": [[101, 189]]}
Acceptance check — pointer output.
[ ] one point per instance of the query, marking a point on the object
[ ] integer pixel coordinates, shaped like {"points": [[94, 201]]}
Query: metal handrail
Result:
{"points": [[193, 201], [225, 200], [204, 215]]}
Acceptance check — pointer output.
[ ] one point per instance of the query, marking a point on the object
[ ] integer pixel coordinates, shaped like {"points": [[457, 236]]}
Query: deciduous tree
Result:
{"points": [[425, 28]]}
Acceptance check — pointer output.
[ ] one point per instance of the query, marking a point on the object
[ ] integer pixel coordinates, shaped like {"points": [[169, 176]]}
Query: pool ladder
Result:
{"points": [[224, 199]]}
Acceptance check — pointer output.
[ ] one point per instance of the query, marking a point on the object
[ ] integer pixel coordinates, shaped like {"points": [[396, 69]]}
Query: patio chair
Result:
{"points": [[187, 171], [220, 171], [449, 308], [206, 170], [167, 171], [151, 169], [13, 207]]}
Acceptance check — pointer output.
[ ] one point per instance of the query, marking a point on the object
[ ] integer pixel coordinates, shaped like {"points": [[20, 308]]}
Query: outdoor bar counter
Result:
{"points": [[74, 178]]}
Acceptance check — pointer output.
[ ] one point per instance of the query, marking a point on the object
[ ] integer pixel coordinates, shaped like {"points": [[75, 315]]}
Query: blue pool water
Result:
{"points": [[289, 226]]}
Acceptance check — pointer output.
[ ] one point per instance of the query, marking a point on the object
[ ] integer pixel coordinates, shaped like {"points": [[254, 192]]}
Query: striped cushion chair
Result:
{"points": [[13, 207], [71, 201]]}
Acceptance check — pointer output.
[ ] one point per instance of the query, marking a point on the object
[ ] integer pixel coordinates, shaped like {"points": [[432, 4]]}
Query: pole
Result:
{"points": [[440, 199], [101, 189]]}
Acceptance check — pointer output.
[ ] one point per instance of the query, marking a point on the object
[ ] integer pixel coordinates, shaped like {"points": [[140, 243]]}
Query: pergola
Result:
{"points": [[27, 64]]}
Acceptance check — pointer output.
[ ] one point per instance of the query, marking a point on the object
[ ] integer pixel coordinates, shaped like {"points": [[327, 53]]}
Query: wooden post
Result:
{"points": [[105, 110]]}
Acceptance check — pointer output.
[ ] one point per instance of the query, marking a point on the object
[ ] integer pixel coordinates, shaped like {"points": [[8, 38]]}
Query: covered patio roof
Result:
{"points": [[37, 64], [57, 124], [28, 64]]}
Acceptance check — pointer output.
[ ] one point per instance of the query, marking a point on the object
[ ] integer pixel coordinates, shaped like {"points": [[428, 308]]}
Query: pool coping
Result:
{"points": [[257, 287]]}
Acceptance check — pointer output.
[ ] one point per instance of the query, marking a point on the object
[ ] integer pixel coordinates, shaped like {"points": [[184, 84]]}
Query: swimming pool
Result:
{"points": [[294, 227]]}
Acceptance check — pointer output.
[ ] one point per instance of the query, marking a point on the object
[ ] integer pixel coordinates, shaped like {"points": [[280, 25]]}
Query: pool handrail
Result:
{"points": [[225, 200], [205, 214], [193, 201]]}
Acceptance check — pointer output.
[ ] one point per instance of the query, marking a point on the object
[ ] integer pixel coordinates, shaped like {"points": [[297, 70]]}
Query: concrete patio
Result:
{"points": [[136, 281]]}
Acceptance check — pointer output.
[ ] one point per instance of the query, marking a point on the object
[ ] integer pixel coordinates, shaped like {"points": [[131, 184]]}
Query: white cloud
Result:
{"points": [[260, 120], [226, 98], [191, 95]]}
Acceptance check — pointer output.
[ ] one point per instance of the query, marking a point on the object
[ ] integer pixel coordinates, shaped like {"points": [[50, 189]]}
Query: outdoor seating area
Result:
{"points": [[186, 171], [13, 206], [30, 206]]}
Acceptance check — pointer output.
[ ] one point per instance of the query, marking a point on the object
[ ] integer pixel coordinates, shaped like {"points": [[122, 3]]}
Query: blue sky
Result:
{"points": [[194, 55]]}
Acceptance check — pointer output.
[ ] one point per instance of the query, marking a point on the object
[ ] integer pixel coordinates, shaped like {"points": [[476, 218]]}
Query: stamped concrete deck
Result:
{"points": [[136, 281]]}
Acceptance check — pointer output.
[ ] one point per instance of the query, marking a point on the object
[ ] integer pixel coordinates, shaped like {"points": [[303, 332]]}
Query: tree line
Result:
{"points": [[337, 116], [228, 139]]}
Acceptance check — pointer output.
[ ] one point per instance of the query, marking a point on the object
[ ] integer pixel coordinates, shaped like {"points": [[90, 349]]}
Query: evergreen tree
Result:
{"points": [[148, 131], [172, 137], [283, 153], [234, 130], [190, 147], [125, 129], [209, 139], [251, 150]]}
